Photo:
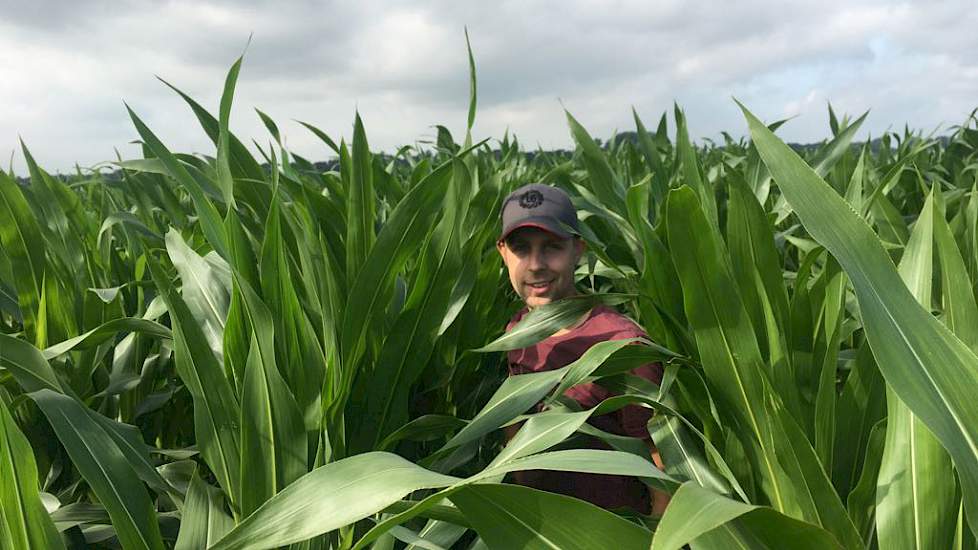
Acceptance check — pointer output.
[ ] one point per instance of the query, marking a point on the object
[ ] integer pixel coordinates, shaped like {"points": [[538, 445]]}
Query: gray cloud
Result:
{"points": [[69, 65]]}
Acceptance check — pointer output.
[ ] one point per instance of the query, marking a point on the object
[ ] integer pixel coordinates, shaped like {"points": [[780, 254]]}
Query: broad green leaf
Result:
{"points": [[204, 520], [686, 156], [861, 405], [861, 501], [210, 220], [724, 337], [513, 397], [545, 320], [383, 403], [788, 469], [224, 178], [331, 497], [24, 523], [511, 516], [929, 368], [322, 136], [298, 355], [216, 410], [370, 291], [273, 439], [105, 331], [205, 289], [360, 204], [695, 511], [540, 432], [576, 460], [682, 458], [757, 270], [472, 90], [916, 493], [601, 178], [242, 164], [423, 428], [28, 365], [105, 468], [24, 246]]}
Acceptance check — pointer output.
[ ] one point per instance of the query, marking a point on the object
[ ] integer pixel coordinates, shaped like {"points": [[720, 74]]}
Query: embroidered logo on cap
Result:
{"points": [[531, 199]]}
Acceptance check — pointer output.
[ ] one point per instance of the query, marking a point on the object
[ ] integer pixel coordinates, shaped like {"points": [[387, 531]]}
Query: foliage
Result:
{"points": [[226, 352]]}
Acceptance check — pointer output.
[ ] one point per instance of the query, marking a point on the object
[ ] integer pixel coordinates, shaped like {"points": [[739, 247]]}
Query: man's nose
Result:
{"points": [[537, 261]]}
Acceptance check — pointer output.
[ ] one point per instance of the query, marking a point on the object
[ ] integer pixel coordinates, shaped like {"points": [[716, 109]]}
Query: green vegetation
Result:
{"points": [[230, 352]]}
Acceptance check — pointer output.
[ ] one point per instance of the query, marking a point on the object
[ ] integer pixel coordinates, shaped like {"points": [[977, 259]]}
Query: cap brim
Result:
{"points": [[547, 224]]}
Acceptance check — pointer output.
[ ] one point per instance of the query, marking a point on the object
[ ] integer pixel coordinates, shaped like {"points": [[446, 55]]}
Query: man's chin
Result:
{"points": [[537, 301]]}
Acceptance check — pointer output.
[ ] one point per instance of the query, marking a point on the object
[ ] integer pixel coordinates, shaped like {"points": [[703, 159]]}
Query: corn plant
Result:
{"points": [[229, 352]]}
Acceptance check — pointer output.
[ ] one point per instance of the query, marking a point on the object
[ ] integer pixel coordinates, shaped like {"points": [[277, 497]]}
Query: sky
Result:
{"points": [[68, 69]]}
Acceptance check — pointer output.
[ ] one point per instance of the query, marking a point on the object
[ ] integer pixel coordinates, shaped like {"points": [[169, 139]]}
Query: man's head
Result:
{"points": [[539, 244]]}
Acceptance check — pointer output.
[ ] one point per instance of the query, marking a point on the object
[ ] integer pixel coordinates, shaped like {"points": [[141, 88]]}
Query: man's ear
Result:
{"points": [[580, 247], [500, 246]]}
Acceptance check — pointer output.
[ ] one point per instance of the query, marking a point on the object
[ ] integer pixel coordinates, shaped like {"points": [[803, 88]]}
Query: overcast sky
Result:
{"points": [[67, 66]]}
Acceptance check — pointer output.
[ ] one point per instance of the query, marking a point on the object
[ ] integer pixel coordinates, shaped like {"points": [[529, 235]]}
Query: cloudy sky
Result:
{"points": [[66, 67]]}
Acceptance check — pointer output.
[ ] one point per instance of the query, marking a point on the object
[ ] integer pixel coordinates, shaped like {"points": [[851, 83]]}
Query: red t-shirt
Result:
{"points": [[608, 491]]}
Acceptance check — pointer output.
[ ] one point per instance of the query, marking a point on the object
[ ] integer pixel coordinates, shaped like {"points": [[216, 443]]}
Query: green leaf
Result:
{"points": [[694, 511], [423, 428], [204, 520], [331, 497], [601, 178], [513, 397], [205, 289], [540, 432], [24, 523], [24, 246], [574, 460], [105, 468], [273, 442], [322, 136], [686, 156], [224, 179], [929, 368], [216, 410], [916, 494], [724, 337], [298, 355], [370, 292], [210, 220], [28, 365], [861, 405], [542, 322], [861, 502], [105, 331], [383, 401], [511, 516], [360, 204]]}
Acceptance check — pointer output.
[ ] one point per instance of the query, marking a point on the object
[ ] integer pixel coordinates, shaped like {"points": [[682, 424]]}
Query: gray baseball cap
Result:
{"points": [[541, 206]]}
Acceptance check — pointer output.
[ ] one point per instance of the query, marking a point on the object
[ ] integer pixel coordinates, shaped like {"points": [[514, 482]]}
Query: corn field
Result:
{"points": [[234, 351]]}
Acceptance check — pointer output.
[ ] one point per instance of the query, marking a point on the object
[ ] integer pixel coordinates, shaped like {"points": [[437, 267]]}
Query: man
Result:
{"points": [[541, 255]]}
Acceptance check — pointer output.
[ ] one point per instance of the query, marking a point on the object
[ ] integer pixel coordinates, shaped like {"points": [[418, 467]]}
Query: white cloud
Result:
{"points": [[68, 66]]}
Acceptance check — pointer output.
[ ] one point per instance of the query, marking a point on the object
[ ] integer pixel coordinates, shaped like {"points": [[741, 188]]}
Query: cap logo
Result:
{"points": [[531, 199]]}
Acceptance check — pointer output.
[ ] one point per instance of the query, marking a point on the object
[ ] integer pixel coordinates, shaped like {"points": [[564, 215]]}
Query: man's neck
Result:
{"points": [[578, 322]]}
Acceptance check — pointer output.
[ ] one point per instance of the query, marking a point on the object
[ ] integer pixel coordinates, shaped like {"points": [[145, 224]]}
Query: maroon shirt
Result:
{"points": [[608, 491]]}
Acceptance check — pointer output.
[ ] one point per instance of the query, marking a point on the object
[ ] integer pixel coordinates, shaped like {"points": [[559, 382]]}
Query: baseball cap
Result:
{"points": [[541, 206]]}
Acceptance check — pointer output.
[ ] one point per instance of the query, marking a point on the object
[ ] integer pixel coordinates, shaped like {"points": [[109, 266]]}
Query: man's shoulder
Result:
{"points": [[516, 318], [616, 325]]}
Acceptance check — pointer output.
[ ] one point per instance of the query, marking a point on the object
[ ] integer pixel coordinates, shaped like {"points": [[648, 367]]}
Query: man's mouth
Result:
{"points": [[539, 287]]}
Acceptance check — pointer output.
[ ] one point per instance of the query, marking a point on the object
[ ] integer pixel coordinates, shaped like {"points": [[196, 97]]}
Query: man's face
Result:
{"points": [[541, 265]]}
